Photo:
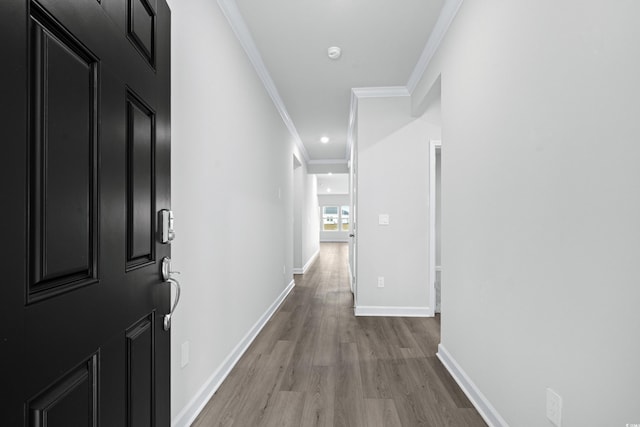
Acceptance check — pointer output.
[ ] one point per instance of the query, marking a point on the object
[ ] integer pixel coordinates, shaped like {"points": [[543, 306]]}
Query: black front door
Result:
{"points": [[85, 114]]}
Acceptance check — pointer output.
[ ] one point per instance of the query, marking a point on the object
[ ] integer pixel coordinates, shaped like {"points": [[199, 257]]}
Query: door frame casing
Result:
{"points": [[435, 146]]}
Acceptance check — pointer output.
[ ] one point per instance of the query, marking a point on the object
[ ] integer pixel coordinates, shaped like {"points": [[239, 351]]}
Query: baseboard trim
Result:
{"points": [[479, 401], [393, 311], [202, 397], [308, 265]]}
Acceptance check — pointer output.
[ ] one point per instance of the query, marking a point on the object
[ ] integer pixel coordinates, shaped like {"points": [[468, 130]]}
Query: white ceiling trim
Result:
{"points": [[368, 92], [328, 162], [233, 15], [380, 92], [448, 13]]}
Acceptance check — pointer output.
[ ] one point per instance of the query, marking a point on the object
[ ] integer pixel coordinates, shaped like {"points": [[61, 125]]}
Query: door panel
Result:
{"points": [[87, 144], [63, 160], [140, 368], [140, 182], [141, 28], [70, 401]]}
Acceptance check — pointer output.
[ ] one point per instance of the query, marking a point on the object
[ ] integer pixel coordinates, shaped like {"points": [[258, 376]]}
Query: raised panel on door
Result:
{"points": [[63, 160], [72, 400], [141, 27], [140, 181], [140, 372]]}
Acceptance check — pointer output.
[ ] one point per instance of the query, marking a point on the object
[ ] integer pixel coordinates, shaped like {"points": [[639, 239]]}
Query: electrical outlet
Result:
{"points": [[381, 282], [554, 407], [184, 359]]}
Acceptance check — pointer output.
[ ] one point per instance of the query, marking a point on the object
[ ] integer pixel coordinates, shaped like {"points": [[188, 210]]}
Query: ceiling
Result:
{"points": [[287, 41]]}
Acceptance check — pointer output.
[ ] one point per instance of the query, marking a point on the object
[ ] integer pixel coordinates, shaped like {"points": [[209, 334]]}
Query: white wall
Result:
{"points": [[393, 179], [541, 207], [306, 229], [332, 200], [232, 187], [311, 229]]}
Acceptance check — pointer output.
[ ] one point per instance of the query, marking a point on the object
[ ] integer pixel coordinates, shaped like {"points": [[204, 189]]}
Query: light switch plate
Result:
{"points": [[383, 219]]}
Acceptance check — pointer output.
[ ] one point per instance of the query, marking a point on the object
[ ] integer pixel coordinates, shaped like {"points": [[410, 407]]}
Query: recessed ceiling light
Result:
{"points": [[334, 52], [324, 139], [328, 190], [330, 173]]}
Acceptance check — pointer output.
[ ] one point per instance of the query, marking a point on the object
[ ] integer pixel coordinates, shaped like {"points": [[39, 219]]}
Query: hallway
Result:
{"points": [[316, 364]]}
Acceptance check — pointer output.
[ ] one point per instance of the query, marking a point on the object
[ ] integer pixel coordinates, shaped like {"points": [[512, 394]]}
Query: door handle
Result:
{"points": [[352, 235], [167, 276]]}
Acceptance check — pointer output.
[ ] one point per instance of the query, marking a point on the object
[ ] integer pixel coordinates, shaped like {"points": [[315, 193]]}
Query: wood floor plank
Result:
{"points": [[316, 364], [381, 413], [374, 382], [296, 376], [260, 395], [349, 399], [319, 399], [326, 345], [270, 334], [286, 410]]}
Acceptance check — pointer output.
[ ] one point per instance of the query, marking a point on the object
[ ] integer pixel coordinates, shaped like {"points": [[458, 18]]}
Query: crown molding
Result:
{"points": [[328, 162], [232, 13], [380, 92], [447, 14], [368, 92], [239, 27]]}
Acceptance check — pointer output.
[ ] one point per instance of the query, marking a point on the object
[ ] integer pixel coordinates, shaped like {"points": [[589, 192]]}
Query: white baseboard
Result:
{"points": [[202, 397], [307, 265], [479, 401], [394, 311]]}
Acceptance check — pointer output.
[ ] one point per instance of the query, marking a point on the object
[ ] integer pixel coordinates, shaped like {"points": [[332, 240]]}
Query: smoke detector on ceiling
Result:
{"points": [[334, 52]]}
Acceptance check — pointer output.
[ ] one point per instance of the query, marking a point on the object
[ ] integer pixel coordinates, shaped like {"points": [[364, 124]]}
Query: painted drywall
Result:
{"points": [[332, 200], [393, 179], [541, 229], [330, 184], [298, 198], [232, 194], [306, 228]]}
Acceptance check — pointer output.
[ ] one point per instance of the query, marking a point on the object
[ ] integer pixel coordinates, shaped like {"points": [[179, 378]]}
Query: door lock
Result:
{"points": [[166, 222]]}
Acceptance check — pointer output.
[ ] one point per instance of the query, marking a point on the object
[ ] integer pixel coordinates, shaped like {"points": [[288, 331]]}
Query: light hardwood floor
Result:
{"points": [[316, 364]]}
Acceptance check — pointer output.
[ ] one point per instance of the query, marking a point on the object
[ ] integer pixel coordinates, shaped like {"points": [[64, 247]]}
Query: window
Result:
{"points": [[335, 218], [344, 213], [330, 218]]}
